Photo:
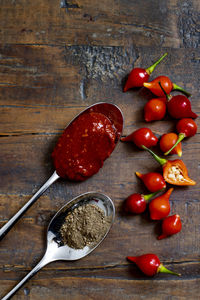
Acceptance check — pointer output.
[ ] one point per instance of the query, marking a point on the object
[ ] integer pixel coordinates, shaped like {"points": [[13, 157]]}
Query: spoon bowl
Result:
{"points": [[111, 111], [56, 249], [64, 252]]}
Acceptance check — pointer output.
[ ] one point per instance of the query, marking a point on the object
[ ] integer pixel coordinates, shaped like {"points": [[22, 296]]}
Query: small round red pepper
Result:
{"points": [[178, 106], [159, 207], [152, 180], [141, 136], [174, 171], [186, 128], [171, 225], [150, 264], [167, 141], [155, 109], [137, 203], [167, 85], [138, 76]]}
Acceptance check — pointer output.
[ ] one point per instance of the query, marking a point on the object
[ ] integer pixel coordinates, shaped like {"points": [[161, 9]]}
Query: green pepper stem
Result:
{"points": [[150, 69], [181, 136], [149, 196], [160, 160], [168, 97], [162, 269], [178, 88]]}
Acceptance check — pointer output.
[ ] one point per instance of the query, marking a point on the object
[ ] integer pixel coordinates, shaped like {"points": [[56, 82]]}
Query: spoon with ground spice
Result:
{"points": [[75, 231]]}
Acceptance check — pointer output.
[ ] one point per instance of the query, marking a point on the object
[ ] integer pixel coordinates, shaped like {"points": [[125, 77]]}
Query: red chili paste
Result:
{"points": [[83, 146]]}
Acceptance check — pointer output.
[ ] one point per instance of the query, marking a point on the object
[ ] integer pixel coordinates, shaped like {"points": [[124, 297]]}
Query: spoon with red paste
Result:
{"points": [[81, 150]]}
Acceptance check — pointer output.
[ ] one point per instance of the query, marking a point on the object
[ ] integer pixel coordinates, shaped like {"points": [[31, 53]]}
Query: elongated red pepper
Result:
{"points": [[171, 225], [138, 76], [174, 171], [142, 136], [150, 264]]}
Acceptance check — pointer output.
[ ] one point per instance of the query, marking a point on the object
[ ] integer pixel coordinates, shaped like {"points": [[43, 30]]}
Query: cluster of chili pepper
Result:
{"points": [[174, 171]]}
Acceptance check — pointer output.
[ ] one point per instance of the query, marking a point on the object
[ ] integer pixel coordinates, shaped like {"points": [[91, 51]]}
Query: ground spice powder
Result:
{"points": [[84, 226]]}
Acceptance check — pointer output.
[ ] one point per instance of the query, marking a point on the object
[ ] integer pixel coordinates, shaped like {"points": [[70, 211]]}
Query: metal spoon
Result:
{"points": [[109, 110], [56, 250]]}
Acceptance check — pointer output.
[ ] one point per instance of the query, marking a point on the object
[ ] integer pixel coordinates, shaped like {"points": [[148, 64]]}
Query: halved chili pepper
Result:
{"points": [[171, 225], [159, 207], [186, 128], [167, 85], [174, 171], [138, 76], [150, 264], [167, 141], [152, 180], [137, 203], [142, 136]]}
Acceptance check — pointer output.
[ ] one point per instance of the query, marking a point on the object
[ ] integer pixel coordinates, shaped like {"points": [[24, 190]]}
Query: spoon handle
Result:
{"points": [[44, 261], [4, 230]]}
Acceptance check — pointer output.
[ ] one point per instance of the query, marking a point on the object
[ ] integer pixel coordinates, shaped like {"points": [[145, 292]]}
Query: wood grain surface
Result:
{"points": [[55, 60]]}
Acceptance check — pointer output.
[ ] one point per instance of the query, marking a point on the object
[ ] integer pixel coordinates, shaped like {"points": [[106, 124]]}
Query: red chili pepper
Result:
{"points": [[142, 136], [155, 109], [138, 76], [167, 141], [178, 106], [153, 181], [171, 225], [137, 203], [174, 171], [159, 207], [186, 128], [167, 85], [150, 264]]}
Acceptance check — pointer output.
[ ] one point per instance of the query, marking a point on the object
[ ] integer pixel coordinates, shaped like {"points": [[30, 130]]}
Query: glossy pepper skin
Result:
{"points": [[138, 76], [174, 171], [167, 85], [137, 203], [171, 225], [178, 106], [186, 128], [159, 207], [141, 136], [155, 109], [152, 180], [167, 141], [150, 264]]}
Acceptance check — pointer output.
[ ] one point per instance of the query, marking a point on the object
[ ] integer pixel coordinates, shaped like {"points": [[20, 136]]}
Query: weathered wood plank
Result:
{"points": [[86, 288], [83, 76], [114, 23], [122, 271]]}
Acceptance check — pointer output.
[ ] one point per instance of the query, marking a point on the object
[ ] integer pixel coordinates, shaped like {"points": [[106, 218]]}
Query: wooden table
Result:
{"points": [[54, 62]]}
